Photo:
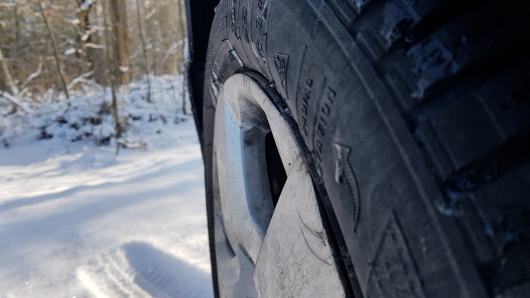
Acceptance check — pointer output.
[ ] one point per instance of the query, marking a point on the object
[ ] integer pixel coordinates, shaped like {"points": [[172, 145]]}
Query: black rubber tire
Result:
{"points": [[417, 117]]}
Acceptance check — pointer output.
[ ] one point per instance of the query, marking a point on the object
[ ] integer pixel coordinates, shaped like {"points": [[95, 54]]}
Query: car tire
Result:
{"points": [[415, 117]]}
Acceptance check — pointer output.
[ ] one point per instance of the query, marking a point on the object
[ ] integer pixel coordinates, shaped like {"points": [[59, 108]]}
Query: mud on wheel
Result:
{"points": [[368, 148]]}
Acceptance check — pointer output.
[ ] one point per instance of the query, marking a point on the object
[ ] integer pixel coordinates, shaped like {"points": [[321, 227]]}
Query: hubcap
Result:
{"points": [[269, 236]]}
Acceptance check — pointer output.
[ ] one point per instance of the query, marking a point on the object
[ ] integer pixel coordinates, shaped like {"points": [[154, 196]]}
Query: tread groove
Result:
{"points": [[513, 154]]}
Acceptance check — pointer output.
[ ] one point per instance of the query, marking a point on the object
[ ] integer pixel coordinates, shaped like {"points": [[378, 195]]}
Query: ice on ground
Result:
{"points": [[77, 220]]}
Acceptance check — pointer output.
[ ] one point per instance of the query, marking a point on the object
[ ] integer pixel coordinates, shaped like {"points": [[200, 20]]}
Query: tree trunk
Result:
{"points": [[112, 75], [16, 17], [118, 9], [182, 50], [6, 71], [144, 49], [155, 44], [84, 35], [167, 15], [181, 34], [51, 36]]}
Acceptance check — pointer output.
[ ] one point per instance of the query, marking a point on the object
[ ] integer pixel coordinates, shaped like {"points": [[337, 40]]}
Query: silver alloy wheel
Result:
{"points": [[267, 243]]}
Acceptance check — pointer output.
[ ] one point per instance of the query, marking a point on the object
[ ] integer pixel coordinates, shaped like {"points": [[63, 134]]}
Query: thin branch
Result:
{"points": [[79, 79], [33, 75]]}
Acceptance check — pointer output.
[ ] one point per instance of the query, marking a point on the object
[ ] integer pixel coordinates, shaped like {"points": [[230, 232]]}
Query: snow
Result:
{"points": [[77, 220], [69, 51], [86, 4]]}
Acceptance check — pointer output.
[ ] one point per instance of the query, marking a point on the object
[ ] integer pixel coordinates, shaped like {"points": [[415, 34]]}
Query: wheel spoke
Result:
{"points": [[296, 247], [245, 198]]}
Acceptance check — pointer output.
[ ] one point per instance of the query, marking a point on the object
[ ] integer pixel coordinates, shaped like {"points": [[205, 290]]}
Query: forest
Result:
{"points": [[58, 48]]}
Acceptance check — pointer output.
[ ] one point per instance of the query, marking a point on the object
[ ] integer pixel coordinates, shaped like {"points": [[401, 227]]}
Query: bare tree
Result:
{"points": [[16, 17], [112, 75], [51, 36], [144, 49], [181, 32], [118, 9], [182, 48], [84, 34], [96, 47], [154, 30], [167, 15], [6, 71]]}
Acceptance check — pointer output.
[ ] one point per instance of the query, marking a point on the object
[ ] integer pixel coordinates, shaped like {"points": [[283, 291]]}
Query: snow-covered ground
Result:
{"points": [[77, 220]]}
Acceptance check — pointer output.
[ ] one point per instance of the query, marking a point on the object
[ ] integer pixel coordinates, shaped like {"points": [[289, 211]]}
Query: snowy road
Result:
{"points": [[77, 221]]}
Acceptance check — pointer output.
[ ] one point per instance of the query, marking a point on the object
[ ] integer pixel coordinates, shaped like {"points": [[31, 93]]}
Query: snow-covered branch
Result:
{"points": [[13, 100]]}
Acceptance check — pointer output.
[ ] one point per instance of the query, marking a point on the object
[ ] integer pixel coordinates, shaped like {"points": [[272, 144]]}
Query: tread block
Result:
{"points": [[466, 131], [393, 273]]}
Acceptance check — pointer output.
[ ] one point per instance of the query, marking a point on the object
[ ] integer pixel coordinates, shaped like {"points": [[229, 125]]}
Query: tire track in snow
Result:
{"points": [[109, 275], [140, 270]]}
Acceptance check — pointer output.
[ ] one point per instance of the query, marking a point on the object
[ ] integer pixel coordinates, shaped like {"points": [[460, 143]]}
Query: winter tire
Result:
{"points": [[405, 125]]}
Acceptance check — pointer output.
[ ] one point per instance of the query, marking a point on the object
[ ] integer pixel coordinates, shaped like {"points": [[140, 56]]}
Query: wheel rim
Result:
{"points": [[267, 241]]}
